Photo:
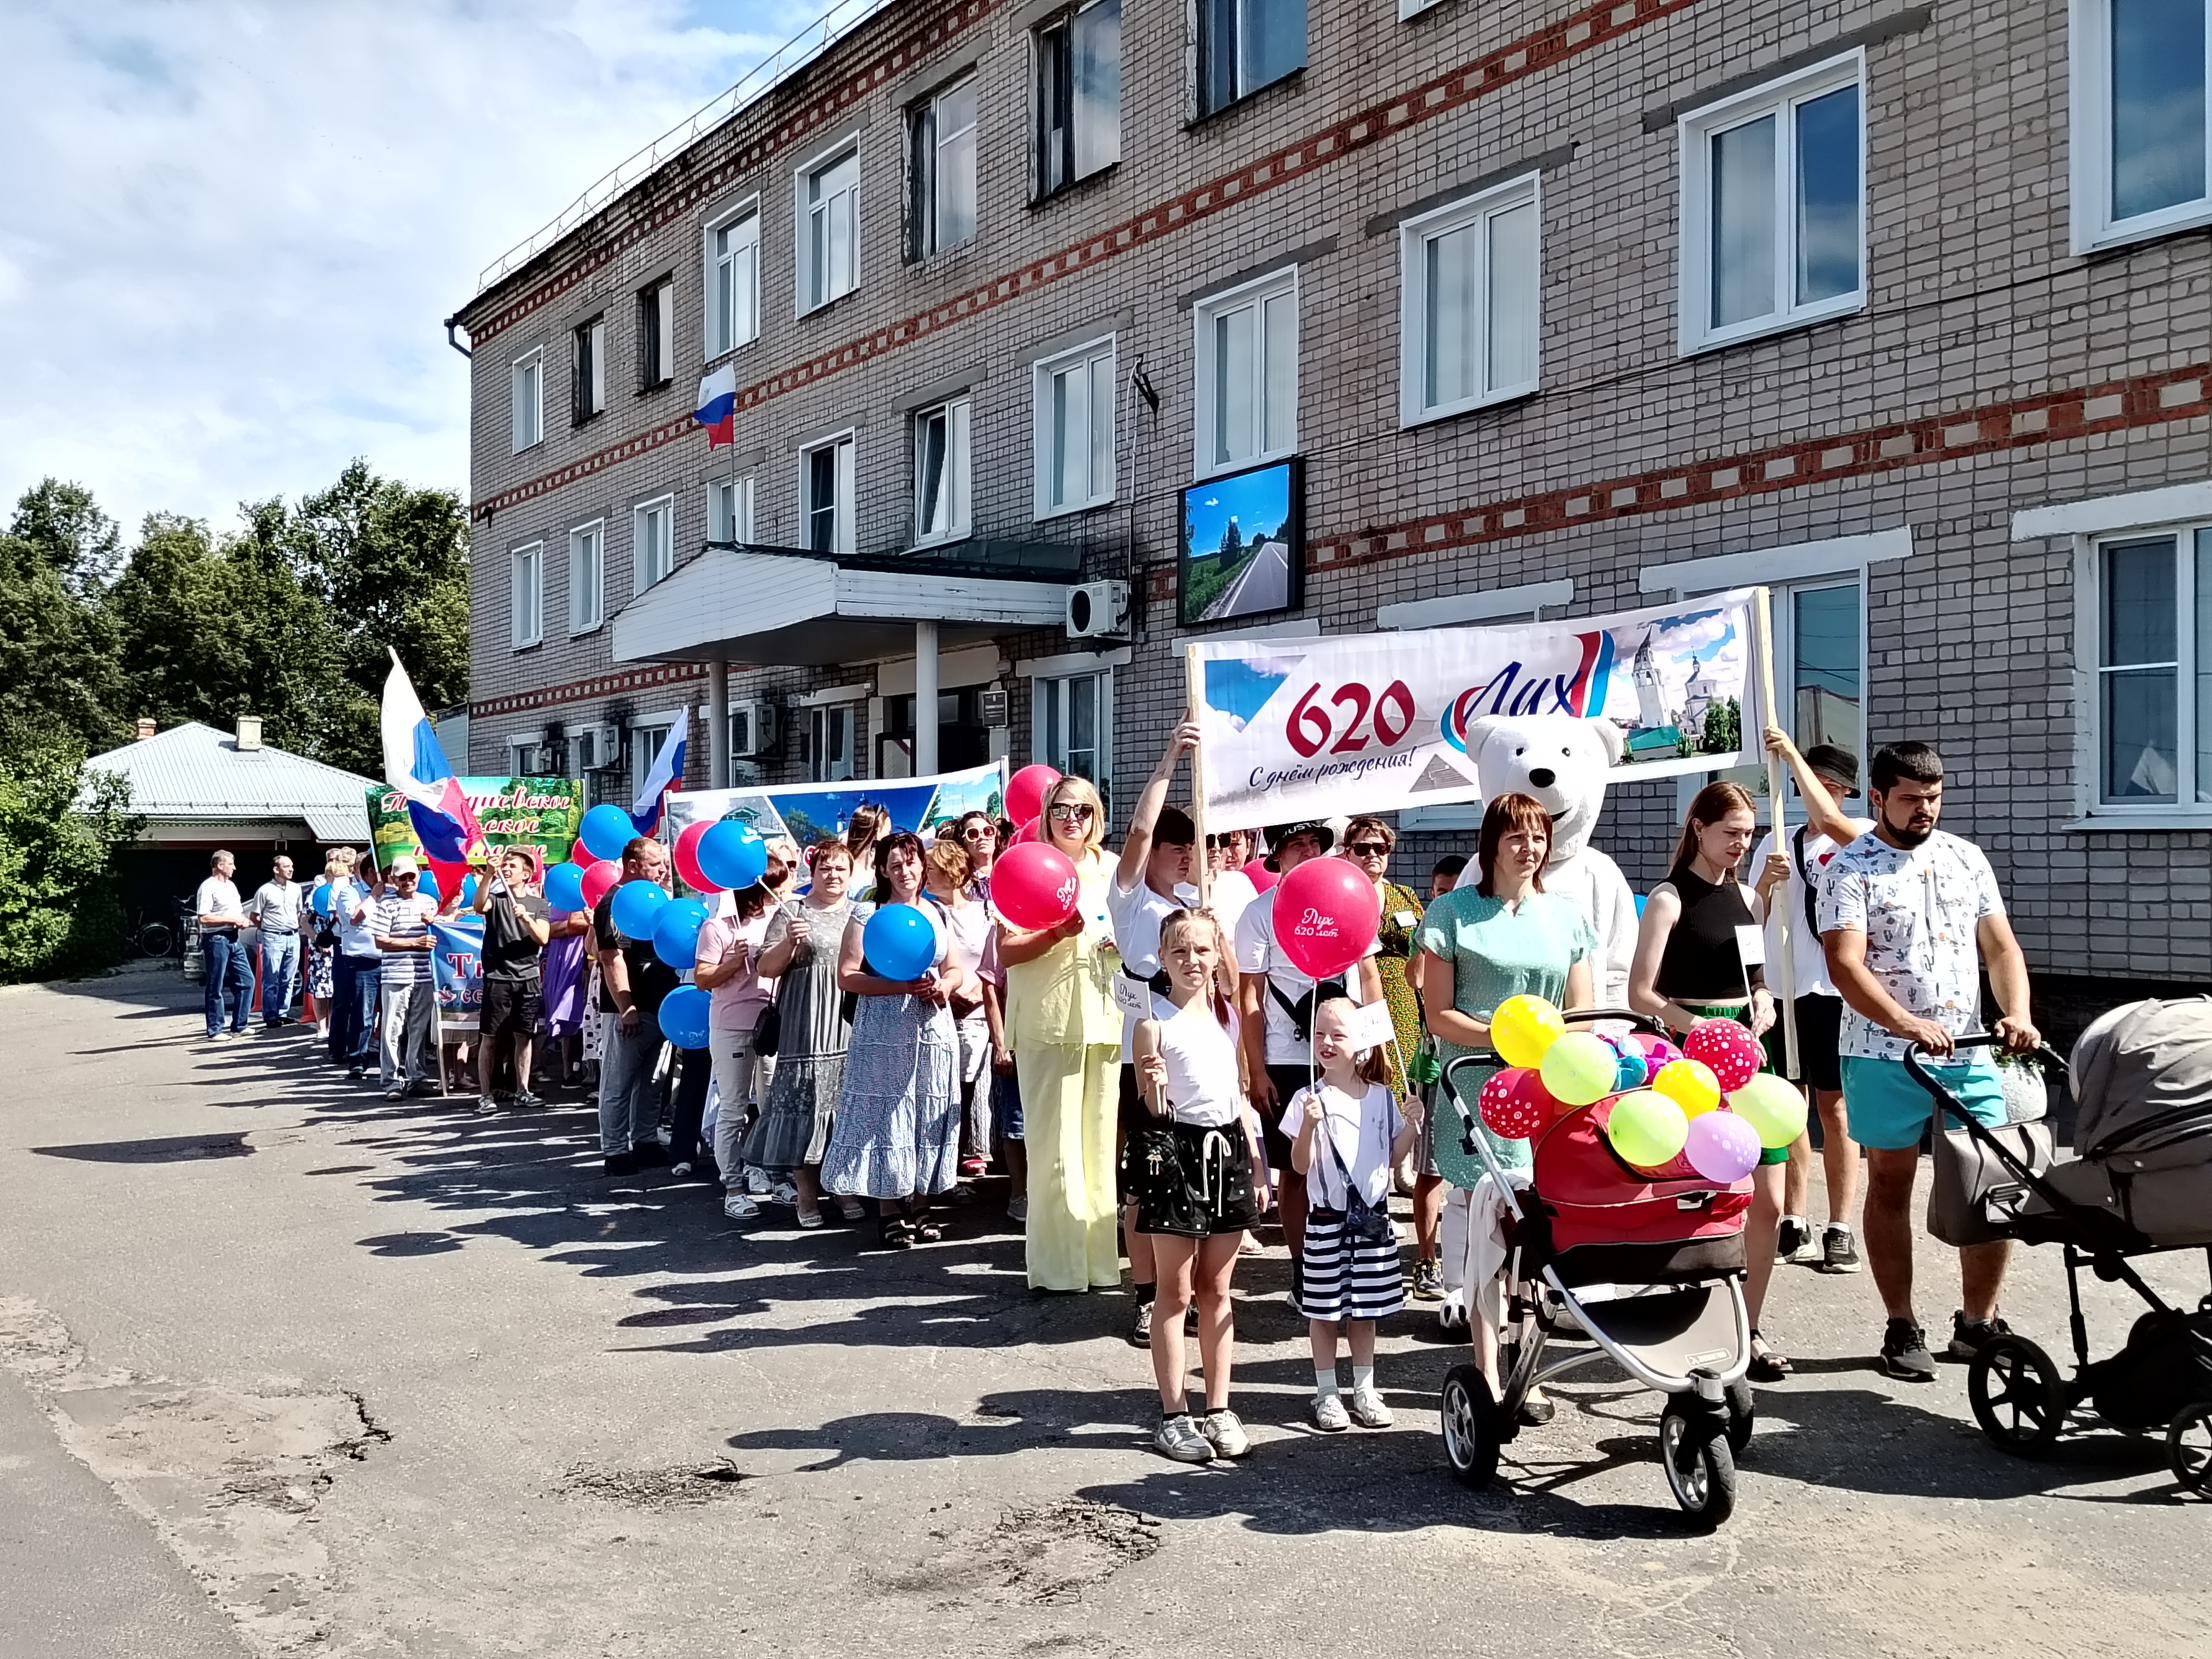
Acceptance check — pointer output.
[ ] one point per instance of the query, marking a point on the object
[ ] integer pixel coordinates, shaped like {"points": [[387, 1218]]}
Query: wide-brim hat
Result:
{"points": [[1277, 834], [1839, 766]]}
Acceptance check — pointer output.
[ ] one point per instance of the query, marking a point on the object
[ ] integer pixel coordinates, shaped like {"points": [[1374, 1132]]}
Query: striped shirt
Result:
{"points": [[398, 918]]}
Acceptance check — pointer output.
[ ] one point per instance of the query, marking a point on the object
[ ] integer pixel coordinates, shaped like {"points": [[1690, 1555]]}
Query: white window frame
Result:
{"points": [[646, 734], [1411, 8], [525, 754], [802, 242], [1254, 293], [842, 539], [2089, 27], [927, 143], [820, 717], [1094, 357], [1049, 700], [642, 563], [2182, 812], [1414, 236], [582, 619], [738, 323], [527, 394], [1695, 132], [525, 606], [959, 415], [730, 510], [591, 368]]}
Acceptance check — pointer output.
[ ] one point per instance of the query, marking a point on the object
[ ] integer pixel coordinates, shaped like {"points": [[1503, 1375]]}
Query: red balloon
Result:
{"points": [[1025, 793], [686, 859], [1728, 1048], [1261, 878], [1030, 831], [1035, 885], [600, 877], [1325, 916]]}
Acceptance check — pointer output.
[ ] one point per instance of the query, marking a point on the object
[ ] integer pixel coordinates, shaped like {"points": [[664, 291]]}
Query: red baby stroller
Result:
{"points": [[1651, 1268]]}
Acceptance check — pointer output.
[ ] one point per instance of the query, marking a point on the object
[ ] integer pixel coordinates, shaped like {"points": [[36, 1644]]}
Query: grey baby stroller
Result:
{"points": [[2139, 1184]]}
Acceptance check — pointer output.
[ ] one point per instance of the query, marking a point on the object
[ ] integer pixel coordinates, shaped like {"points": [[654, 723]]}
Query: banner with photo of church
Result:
{"points": [[1302, 728]]}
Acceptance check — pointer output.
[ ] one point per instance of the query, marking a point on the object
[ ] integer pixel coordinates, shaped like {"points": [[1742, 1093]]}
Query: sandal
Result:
{"points": [[893, 1233], [926, 1231], [1767, 1366]]}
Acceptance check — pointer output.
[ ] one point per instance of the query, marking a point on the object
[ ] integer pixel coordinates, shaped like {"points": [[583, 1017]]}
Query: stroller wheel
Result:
{"points": [[2017, 1395], [2188, 1445], [1694, 1448], [1742, 1415], [1470, 1426]]}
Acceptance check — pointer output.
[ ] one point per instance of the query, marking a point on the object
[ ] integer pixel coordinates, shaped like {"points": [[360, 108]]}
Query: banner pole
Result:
{"points": [[1763, 637], [1193, 681]]}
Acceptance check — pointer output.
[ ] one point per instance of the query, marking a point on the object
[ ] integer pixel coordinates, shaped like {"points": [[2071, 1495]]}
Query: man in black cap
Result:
{"points": [[1826, 777]]}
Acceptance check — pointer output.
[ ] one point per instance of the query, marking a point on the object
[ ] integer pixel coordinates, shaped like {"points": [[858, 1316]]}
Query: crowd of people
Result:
{"points": [[1154, 1076]]}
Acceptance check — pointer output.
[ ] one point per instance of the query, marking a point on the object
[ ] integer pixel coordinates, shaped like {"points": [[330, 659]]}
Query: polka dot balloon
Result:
{"points": [[1727, 1047]]}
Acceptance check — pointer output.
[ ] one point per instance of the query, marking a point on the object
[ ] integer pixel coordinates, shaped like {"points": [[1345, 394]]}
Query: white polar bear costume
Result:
{"points": [[1564, 762]]}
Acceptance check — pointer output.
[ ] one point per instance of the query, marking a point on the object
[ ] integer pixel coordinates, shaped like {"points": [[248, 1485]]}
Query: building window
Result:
{"points": [[526, 385], [1247, 345], [2153, 713], [2142, 138], [1469, 275], [828, 241], [656, 335], [943, 214], [587, 573], [529, 756], [941, 473], [645, 743], [1246, 45], [1078, 95], [653, 543], [1075, 429], [1071, 724], [729, 510], [527, 594], [825, 497], [591, 354], [1774, 207], [829, 743], [732, 282]]}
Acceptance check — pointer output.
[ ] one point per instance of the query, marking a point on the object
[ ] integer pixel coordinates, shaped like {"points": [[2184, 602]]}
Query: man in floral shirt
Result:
{"points": [[1909, 914]]}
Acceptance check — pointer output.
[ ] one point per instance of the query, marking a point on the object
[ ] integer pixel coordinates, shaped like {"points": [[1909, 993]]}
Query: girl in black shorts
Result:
{"points": [[1193, 1165]]}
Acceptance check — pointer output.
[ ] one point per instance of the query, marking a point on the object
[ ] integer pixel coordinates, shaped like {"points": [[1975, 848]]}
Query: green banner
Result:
{"points": [[546, 813]]}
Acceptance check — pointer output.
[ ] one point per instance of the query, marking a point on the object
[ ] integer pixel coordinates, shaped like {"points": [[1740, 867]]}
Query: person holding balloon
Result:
{"points": [[896, 1136], [633, 982], [517, 924], [726, 964], [949, 881]]}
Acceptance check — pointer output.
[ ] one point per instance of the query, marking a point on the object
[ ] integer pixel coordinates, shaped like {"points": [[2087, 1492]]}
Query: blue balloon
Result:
{"points": [[319, 900], [469, 888], [637, 906], [427, 882], [732, 855], [676, 932], [684, 1017], [607, 829], [900, 942], [564, 886], [1632, 1073]]}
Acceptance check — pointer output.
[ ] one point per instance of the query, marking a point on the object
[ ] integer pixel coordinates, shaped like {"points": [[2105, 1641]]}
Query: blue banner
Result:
{"points": [[457, 954]]}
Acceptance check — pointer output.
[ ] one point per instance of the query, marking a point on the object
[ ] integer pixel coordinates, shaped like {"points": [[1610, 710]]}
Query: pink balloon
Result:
{"points": [[1261, 878], [1030, 831], [1728, 1048], [1326, 915], [600, 877], [1026, 793], [582, 856], [1514, 1103], [1035, 885], [686, 859], [1721, 1146]]}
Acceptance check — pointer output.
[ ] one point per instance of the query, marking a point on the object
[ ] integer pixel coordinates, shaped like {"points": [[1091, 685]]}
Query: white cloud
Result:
{"points": [[228, 231]]}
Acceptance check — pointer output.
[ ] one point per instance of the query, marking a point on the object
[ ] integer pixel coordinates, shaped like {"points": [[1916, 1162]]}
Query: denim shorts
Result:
{"points": [[1888, 1111], [1005, 1106]]}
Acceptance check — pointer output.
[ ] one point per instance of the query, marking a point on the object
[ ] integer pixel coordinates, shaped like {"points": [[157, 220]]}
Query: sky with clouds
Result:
{"points": [[229, 229]]}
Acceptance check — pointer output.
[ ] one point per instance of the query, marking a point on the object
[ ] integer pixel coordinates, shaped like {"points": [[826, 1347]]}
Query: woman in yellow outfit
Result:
{"points": [[1065, 1033]]}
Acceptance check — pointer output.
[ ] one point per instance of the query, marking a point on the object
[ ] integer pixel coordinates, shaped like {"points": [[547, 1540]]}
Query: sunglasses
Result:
{"points": [[1072, 814], [1370, 849], [979, 832]]}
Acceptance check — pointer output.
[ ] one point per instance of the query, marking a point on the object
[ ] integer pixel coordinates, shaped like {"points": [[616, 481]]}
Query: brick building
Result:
{"points": [[1901, 309]]}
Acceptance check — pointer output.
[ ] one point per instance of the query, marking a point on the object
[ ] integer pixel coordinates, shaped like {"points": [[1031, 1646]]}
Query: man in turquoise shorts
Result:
{"points": [[1908, 916]]}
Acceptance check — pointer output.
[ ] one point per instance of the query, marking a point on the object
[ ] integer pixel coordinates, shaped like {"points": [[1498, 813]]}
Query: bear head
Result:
{"points": [[1561, 760]]}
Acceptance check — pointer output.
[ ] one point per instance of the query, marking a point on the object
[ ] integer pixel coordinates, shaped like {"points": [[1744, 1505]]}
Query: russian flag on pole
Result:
{"points": [[718, 404], [415, 765], [667, 774]]}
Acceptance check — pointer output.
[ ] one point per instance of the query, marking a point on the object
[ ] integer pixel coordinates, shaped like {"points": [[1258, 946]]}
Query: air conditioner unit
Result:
{"points": [[595, 747], [1098, 610], [752, 728]]}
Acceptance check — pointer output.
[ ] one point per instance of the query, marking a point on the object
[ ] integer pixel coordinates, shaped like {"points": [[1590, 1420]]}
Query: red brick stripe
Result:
{"points": [[603, 685], [1592, 27]]}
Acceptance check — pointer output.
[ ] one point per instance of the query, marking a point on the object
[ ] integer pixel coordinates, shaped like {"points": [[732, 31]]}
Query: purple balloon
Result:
{"points": [[1722, 1147]]}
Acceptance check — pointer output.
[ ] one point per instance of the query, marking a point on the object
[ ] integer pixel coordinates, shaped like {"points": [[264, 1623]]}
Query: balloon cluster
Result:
{"points": [[1707, 1103]]}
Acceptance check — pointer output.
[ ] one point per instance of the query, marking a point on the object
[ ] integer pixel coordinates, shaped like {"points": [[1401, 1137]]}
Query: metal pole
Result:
{"points": [[717, 724], [1762, 618], [925, 699]]}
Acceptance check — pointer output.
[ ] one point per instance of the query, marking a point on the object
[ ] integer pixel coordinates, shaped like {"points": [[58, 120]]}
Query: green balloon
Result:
{"points": [[1647, 1129], [1775, 1111], [1579, 1069]]}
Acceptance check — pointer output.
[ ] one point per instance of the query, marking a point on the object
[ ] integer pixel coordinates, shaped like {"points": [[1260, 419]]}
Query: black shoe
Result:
{"points": [[1970, 1336], [1793, 1240], [1767, 1366], [1534, 1414], [523, 1101], [650, 1154], [621, 1163], [354, 1073], [1905, 1352], [1840, 1251], [1140, 1327]]}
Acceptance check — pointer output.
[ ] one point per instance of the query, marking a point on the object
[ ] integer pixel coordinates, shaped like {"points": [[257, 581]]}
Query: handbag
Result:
{"points": [[1974, 1196], [768, 1030], [1368, 1223]]}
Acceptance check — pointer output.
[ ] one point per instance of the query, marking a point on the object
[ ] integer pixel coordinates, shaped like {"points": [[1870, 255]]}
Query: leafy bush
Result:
{"points": [[60, 828]]}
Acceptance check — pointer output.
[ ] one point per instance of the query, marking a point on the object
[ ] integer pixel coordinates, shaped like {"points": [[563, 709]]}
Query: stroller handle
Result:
{"points": [[1916, 1064]]}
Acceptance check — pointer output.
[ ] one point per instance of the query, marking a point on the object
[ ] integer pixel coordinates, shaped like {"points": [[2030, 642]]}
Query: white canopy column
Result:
{"points": [[924, 698], [718, 723]]}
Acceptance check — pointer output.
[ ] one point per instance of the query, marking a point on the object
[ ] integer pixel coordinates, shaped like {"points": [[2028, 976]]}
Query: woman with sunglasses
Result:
{"points": [[1228, 889], [1065, 1032], [977, 834]]}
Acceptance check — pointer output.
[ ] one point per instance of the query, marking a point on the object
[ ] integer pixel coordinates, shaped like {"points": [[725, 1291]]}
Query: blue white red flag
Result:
{"points": [[718, 404], [414, 764], [667, 774]]}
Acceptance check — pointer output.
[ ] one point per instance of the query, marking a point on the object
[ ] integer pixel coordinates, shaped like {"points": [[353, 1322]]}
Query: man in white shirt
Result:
{"points": [[229, 977], [275, 910], [1826, 777], [1906, 914], [1275, 1004]]}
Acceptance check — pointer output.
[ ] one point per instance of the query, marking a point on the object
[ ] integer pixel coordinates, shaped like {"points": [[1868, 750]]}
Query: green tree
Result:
{"points": [[1723, 729], [64, 527], [392, 562], [1232, 544], [60, 670], [60, 828]]}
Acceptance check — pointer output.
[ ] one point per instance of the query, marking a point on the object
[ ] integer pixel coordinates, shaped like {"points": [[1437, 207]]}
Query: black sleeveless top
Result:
{"points": [[1701, 962]]}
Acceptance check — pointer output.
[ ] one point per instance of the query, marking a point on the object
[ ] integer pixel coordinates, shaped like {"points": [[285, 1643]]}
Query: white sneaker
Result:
{"points": [[757, 1181], [783, 1192], [740, 1206], [852, 1209], [1328, 1412], [1179, 1437], [1368, 1410], [1224, 1432]]}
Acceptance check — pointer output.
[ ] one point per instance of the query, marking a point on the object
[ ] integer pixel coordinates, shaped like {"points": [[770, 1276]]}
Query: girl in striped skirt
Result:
{"points": [[1346, 1133]]}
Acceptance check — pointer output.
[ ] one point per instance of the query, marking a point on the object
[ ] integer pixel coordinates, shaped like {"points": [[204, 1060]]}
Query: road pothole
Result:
{"points": [[679, 1486], [1044, 1555]]}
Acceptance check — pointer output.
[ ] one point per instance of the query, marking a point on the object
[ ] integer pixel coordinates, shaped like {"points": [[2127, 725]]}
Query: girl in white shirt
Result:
{"points": [[1347, 1135], [1193, 1166]]}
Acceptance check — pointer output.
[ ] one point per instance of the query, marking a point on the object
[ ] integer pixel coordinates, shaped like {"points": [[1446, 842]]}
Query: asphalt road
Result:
{"points": [[399, 1382], [1264, 584]]}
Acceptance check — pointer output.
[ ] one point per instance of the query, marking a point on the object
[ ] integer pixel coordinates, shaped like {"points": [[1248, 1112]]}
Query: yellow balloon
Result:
{"points": [[1774, 1109], [1647, 1128], [1523, 1028], [1691, 1084]]}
